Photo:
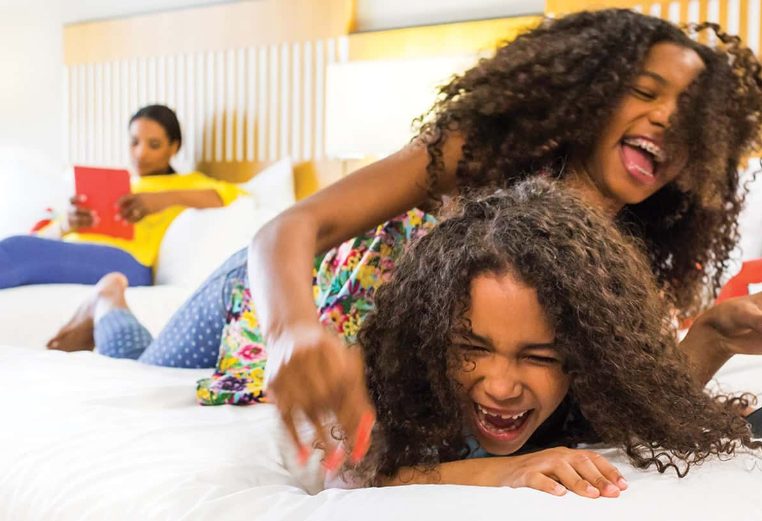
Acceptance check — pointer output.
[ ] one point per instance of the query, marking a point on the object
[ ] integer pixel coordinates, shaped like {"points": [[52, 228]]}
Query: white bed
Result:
{"points": [[88, 437], [85, 437]]}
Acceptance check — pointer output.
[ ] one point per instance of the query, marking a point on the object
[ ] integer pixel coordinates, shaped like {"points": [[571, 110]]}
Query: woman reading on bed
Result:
{"points": [[159, 195], [532, 326]]}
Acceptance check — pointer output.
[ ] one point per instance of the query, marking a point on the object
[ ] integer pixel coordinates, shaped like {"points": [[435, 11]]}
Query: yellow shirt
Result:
{"points": [[150, 230]]}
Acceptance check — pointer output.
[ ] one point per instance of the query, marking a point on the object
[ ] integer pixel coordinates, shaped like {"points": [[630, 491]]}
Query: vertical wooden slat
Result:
{"points": [[108, 116], [198, 82], [743, 20], [230, 105], [320, 64], [240, 103], [179, 89], [308, 84], [90, 150], [219, 107], [297, 107], [208, 120], [273, 105], [753, 13], [285, 99], [263, 118], [251, 104], [124, 111]]}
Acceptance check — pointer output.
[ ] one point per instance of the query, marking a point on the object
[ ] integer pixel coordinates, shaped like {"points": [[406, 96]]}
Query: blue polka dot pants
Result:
{"points": [[191, 338]]}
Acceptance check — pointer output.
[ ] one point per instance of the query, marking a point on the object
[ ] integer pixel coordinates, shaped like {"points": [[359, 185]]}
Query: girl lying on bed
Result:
{"points": [[159, 195], [522, 325]]}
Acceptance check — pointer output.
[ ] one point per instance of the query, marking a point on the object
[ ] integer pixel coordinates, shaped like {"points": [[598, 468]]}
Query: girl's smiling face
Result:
{"points": [[629, 163], [511, 376]]}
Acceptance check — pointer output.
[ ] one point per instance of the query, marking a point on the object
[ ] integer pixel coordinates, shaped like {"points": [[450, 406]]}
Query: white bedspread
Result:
{"points": [[85, 437]]}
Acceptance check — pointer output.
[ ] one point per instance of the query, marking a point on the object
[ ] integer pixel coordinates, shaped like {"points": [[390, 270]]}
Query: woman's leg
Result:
{"points": [[191, 338], [26, 259]]}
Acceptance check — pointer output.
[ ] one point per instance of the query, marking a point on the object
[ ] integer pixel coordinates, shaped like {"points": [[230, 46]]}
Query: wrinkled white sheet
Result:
{"points": [[85, 437]]}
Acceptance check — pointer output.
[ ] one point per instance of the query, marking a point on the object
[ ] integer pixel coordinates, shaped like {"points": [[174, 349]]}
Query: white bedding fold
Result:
{"points": [[87, 437]]}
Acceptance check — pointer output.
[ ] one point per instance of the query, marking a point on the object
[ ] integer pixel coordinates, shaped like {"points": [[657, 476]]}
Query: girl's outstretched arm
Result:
{"points": [[553, 471], [729, 328], [310, 371]]}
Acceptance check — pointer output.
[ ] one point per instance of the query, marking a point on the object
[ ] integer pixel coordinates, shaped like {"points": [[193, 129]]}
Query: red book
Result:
{"points": [[102, 188]]}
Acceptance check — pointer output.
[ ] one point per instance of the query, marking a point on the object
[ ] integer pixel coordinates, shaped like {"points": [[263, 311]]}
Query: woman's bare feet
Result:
{"points": [[77, 334]]}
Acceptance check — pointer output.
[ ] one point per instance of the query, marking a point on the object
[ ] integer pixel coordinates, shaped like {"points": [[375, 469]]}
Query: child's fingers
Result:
{"points": [[334, 454], [355, 411], [587, 468], [288, 421], [609, 471], [543, 483], [569, 477]]}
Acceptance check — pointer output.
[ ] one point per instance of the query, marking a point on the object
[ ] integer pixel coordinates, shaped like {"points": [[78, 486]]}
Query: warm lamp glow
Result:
{"points": [[370, 105]]}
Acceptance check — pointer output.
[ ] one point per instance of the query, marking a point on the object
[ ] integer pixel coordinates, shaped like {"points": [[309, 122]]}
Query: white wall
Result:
{"points": [[31, 95]]}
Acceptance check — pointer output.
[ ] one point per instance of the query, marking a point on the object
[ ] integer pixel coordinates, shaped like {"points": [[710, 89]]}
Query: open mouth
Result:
{"points": [[641, 158], [503, 426]]}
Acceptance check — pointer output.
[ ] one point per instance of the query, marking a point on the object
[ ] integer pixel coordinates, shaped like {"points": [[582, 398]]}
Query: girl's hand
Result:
{"points": [[318, 377], [557, 470], [78, 216], [731, 327], [737, 324], [134, 207]]}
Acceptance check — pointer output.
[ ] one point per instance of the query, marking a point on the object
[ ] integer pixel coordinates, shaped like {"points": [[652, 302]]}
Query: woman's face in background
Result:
{"points": [[512, 376], [150, 148]]}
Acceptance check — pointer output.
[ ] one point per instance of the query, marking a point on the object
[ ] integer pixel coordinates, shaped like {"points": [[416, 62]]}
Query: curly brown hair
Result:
{"points": [[544, 98], [628, 378]]}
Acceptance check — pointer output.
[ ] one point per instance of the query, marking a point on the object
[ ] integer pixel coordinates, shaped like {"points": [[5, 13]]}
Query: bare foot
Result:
{"points": [[77, 334]]}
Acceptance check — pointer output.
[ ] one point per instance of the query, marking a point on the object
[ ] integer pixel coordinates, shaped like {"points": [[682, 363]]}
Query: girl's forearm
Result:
{"points": [[705, 350], [193, 198], [281, 258]]}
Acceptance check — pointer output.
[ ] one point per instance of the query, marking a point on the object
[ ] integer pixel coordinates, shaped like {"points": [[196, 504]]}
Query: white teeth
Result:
{"points": [[503, 416], [648, 146], [636, 167]]}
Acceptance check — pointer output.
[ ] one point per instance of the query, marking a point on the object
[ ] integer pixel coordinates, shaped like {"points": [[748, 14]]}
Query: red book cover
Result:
{"points": [[102, 188]]}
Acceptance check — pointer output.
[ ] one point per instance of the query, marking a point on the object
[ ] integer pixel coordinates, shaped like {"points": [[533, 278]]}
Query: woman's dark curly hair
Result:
{"points": [[544, 98], [628, 378]]}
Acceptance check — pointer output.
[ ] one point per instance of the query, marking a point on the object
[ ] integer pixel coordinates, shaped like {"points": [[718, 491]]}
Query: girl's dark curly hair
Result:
{"points": [[544, 98], [628, 378]]}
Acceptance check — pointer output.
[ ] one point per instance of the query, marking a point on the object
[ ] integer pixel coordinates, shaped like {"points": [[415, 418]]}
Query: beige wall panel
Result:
{"points": [[220, 27]]}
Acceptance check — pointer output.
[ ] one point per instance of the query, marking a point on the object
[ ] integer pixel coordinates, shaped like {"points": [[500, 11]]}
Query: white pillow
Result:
{"points": [[29, 183], [273, 187], [198, 241]]}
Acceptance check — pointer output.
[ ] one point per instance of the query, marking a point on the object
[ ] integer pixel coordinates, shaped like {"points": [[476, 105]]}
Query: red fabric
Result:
{"points": [[738, 286], [39, 225]]}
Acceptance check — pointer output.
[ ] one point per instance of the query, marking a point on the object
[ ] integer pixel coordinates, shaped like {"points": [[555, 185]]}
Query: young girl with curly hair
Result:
{"points": [[524, 324], [646, 123]]}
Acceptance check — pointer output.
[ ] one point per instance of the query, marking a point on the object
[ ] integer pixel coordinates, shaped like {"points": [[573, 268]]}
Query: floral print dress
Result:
{"points": [[344, 280]]}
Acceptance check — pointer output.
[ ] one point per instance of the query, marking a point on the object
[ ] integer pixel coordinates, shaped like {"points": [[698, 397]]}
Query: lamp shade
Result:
{"points": [[371, 105]]}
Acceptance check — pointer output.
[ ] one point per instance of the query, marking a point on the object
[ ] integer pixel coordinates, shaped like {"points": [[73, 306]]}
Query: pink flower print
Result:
{"points": [[252, 352]]}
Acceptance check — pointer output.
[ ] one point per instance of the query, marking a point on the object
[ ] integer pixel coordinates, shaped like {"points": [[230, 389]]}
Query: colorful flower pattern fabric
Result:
{"points": [[344, 280]]}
